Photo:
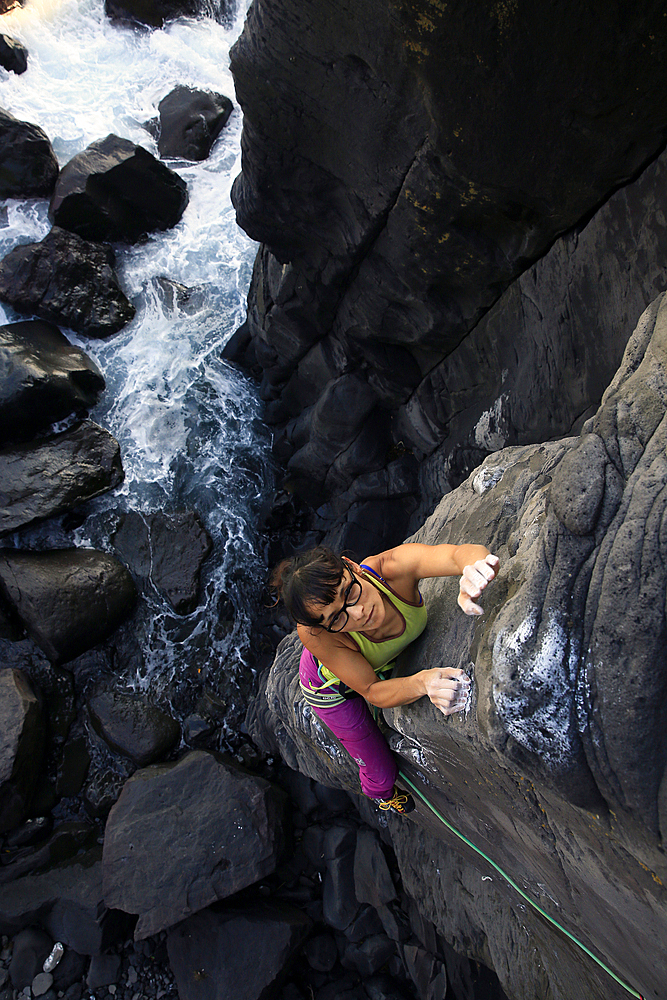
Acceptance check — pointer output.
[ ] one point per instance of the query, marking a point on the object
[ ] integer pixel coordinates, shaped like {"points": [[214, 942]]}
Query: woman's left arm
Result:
{"points": [[415, 561]]}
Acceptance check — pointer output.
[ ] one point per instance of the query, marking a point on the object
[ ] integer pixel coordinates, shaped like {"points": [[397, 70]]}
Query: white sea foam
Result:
{"points": [[186, 421]]}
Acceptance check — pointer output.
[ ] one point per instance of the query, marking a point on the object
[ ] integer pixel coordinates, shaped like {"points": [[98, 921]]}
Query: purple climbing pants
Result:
{"points": [[353, 726]]}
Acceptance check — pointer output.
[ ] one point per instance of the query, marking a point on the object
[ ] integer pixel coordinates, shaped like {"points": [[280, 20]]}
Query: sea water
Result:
{"points": [[187, 422]]}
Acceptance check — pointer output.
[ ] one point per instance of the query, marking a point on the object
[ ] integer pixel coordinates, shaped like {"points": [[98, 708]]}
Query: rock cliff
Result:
{"points": [[401, 180], [556, 769]]}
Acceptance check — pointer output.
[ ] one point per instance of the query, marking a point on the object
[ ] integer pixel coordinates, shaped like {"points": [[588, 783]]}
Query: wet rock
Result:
{"points": [[69, 970], [426, 972], [372, 879], [102, 790], [104, 971], [366, 922], [141, 732], [168, 550], [190, 122], [67, 901], [382, 987], [31, 948], [28, 832], [42, 982], [338, 899], [321, 952], [173, 846], [176, 297], [67, 280], [369, 956], [21, 745], [28, 165], [73, 767], [68, 599], [234, 955], [13, 54], [43, 378], [56, 473], [117, 191], [154, 13]]}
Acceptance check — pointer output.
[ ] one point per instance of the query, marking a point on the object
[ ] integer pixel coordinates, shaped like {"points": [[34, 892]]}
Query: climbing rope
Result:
{"points": [[523, 895]]}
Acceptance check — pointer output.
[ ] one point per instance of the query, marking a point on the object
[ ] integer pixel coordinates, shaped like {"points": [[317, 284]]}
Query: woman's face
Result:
{"points": [[365, 614]]}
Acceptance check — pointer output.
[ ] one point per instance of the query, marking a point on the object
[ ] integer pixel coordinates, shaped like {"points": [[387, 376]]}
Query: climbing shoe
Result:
{"points": [[400, 802]]}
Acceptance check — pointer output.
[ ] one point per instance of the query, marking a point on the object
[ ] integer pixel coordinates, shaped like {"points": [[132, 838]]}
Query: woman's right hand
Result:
{"points": [[447, 687]]}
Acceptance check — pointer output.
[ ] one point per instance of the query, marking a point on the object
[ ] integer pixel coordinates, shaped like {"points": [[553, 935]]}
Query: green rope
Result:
{"points": [[523, 895]]}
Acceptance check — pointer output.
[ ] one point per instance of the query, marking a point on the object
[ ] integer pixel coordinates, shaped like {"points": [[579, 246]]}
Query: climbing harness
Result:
{"points": [[523, 895]]}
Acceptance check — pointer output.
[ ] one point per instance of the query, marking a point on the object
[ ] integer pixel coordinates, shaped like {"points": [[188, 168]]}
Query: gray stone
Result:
{"points": [[42, 982], [43, 378], [68, 599], [369, 956], [190, 122], [68, 280], [28, 165], [236, 954], [184, 835], [31, 947], [55, 474], [372, 879], [141, 732], [117, 191], [21, 745], [104, 971]]}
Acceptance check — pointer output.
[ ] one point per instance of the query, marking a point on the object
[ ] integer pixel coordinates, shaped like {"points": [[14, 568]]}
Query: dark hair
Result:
{"points": [[308, 578]]}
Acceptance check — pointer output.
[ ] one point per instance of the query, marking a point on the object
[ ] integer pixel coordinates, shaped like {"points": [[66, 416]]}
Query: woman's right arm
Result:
{"points": [[443, 685]]}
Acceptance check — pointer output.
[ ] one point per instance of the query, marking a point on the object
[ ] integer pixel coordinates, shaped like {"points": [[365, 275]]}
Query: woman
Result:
{"points": [[353, 621]]}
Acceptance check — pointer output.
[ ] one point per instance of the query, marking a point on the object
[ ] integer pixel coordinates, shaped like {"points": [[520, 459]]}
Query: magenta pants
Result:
{"points": [[352, 724]]}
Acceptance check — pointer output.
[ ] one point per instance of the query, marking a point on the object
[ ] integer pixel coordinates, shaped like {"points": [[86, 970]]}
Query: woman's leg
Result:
{"points": [[352, 724]]}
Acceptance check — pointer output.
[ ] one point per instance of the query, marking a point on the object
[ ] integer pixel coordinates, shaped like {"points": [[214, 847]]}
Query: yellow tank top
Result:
{"points": [[381, 652]]}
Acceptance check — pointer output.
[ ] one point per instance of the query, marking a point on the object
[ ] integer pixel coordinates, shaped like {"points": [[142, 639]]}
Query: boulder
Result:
{"points": [[13, 55], [184, 835], [56, 473], [67, 902], [31, 948], [21, 746], [43, 378], [28, 165], [115, 190], [237, 954], [141, 732], [190, 121], [67, 280], [372, 879], [154, 13], [69, 600], [168, 550]]}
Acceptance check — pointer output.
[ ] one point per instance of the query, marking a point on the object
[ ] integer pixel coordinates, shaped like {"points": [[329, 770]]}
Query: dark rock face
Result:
{"points": [[56, 473], [21, 745], [144, 733], [13, 55], [388, 231], [557, 769], [190, 122], [67, 902], [28, 165], [69, 600], [238, 953], [173, 843], [154, 13], [43, 378], [115, 190], [67, 280], [168, 550]]}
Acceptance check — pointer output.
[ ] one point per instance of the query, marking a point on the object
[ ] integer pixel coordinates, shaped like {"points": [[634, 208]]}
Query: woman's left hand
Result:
{"points": [[473, 581]]}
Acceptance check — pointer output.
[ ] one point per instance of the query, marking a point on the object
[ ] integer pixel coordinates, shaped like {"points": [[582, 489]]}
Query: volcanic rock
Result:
{"points": [[56, 473], [21, 745], [184, 835], [190, 122], [13, 55], [65, 901], [141, 732], [31, 947], [168, 550], [43, 378], [67, 280], [237, 954], [28, 165], [69, 600], [561, 754], [154, 13], [115, 190]]}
